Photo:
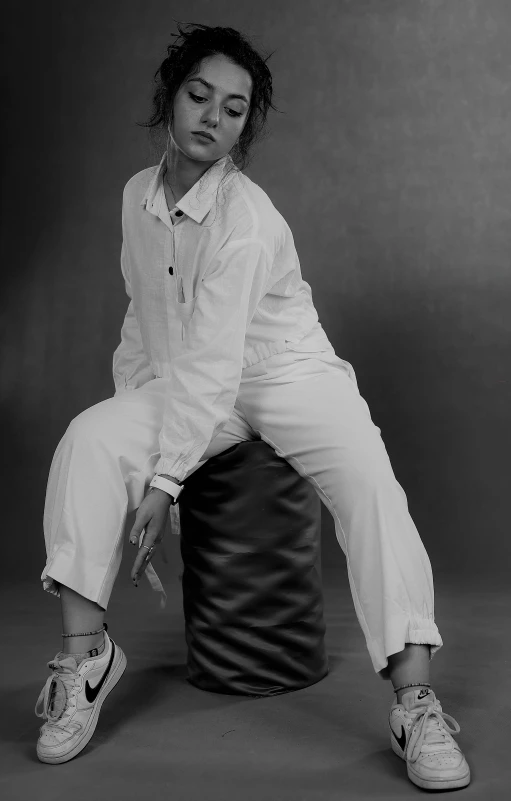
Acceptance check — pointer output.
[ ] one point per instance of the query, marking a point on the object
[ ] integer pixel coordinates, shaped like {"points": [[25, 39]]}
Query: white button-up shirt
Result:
{"points": [[215, 287]]}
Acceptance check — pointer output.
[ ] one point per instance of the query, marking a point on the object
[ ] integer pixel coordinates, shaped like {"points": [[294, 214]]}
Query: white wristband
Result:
{"points": [[172, 489]]}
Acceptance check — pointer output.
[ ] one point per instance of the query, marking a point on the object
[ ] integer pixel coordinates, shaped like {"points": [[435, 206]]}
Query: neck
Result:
{"points": [[182, 172]]}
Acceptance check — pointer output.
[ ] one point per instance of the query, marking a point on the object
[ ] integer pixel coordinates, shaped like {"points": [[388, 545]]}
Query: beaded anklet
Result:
{"points": [[94, 651], [86, 633], [419, 684]]}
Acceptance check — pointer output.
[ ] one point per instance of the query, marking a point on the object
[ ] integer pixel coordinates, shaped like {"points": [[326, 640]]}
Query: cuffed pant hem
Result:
{"points": [[62, 569], [423, 633]]}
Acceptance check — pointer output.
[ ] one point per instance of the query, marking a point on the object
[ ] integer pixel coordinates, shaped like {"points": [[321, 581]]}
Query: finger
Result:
{"points": [[144, 556], [144, 514], [138, 531], [137, 539], [142, 559]]}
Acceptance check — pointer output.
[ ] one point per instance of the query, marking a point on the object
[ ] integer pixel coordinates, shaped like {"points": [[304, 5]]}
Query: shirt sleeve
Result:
{"points": [[205, 377], [130, 366]]}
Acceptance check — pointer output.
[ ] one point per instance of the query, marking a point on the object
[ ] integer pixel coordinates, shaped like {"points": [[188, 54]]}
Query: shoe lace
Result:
{"points": [[66, 683], [430, 727]]}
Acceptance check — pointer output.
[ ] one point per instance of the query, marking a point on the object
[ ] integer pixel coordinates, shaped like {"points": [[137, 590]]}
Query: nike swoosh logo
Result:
{"points": [[401, 740], [91, 693]]}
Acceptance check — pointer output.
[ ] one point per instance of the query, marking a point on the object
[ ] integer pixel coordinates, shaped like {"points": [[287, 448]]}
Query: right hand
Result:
{"points": [[152, 516]]}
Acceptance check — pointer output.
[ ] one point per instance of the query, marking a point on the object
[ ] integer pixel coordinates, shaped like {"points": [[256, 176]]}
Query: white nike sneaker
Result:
{"points": [[71, 700], [419, 734]]}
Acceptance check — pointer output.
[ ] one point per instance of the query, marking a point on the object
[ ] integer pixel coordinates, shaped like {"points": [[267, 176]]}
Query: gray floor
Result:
{"points": [[159, 737]]}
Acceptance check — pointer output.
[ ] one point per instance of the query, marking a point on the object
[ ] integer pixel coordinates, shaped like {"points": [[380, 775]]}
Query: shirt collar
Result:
{"points": [[199, 199]]}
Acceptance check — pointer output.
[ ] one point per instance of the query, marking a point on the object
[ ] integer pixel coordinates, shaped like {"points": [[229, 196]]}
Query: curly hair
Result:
{"points": [[194, 43]]}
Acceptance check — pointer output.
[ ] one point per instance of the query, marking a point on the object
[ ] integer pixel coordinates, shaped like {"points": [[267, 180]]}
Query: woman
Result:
{"points": [[222, 343]]}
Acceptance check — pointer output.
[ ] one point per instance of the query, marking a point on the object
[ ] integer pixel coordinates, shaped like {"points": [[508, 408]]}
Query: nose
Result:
{"points": [[211, 115]]}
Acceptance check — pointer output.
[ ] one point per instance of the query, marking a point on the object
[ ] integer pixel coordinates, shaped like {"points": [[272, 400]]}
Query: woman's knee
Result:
{"points": [[366, 473], [92, 423]]}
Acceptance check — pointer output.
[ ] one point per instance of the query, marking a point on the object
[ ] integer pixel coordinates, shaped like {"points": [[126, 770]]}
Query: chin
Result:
{"points": [[198, 153]]}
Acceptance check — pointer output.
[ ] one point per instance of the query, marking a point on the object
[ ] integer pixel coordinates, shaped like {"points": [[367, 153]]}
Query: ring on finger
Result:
{"points": [[149, 551]]}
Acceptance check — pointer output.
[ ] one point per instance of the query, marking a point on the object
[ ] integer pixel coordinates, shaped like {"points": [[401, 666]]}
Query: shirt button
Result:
{"points": [[179, 213], [171, 270]]}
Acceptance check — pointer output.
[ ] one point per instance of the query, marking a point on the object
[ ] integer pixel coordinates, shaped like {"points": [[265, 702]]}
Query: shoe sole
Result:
{"points": [[430, 784], [115, 674]]}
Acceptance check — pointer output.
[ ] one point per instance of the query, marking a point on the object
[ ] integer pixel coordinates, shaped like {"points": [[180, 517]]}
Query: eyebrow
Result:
{"points": [[210, 86]]}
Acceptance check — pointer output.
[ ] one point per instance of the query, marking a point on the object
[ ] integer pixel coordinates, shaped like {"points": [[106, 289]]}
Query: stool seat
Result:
{"points": [[252, 595]]}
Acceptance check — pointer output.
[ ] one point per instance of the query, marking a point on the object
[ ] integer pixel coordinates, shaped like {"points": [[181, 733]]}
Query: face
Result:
{"points": [[216, 101]]}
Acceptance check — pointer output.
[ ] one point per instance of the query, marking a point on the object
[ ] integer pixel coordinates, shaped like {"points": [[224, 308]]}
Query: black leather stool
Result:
{"points": [[252, 595]]}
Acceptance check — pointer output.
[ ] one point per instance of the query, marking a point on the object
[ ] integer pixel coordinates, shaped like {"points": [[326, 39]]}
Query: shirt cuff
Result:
{"points": [[171, 467]]}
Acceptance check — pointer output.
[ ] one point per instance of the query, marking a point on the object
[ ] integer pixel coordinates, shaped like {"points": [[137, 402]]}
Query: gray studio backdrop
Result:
{"points": [[391, 164]]}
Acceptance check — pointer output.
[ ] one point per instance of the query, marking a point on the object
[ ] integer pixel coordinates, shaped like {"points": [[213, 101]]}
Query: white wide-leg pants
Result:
{"points": [[308, 408]]}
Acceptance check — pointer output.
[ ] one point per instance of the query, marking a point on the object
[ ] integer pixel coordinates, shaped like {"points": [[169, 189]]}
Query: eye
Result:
{"points": [[198, 98]]}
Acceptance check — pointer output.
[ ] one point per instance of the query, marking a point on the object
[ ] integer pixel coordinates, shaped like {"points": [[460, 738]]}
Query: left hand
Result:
{"points": [[152, 515]]}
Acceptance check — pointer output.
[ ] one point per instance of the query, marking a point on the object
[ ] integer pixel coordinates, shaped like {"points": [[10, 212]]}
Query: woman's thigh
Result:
{"points": [[128, 426], [313, 415], [235, 431]]}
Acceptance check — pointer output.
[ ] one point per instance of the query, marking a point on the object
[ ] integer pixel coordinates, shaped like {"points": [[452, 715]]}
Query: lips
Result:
{"points": [[204, 135]]}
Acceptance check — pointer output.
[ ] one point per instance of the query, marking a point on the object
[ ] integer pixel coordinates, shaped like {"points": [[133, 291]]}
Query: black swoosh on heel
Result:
{"points": [[401, 740], [91, 693]]}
